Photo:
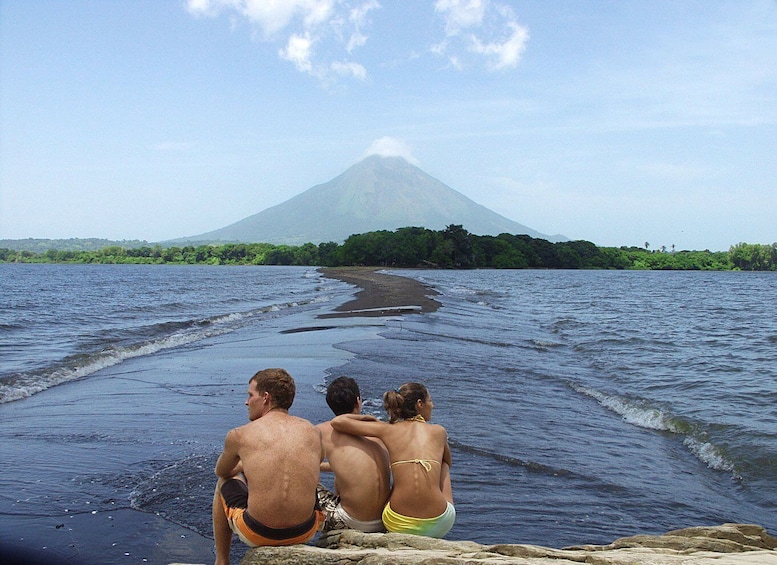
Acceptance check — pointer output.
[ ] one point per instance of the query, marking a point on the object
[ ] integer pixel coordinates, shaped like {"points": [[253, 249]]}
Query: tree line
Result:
{"points": [[451, 248]]}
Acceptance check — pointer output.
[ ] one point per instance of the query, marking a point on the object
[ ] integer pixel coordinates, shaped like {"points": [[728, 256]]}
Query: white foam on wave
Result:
{"points": [[644, 416], [461, 290], [228, 318], [321, 299], [26, 385], [710, 455], [545, 343]]}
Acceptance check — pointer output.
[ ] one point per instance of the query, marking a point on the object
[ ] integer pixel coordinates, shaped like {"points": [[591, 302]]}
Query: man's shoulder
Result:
{"points": [[271, 429], [237, 435], [295, 424], [242, 428], [300, 421], [247, 428], [325, 426]]}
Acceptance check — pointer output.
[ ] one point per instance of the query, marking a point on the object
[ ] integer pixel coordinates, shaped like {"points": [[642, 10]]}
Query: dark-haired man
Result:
{"points": [[268, 472], [360, 465]]}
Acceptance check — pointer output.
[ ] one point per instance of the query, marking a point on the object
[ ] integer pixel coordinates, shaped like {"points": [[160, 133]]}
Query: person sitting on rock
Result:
{"points": [[268, 472], [421, 500], [362, 479]]}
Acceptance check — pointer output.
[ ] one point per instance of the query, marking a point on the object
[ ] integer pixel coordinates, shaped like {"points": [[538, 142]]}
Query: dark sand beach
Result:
{"points": [[380, 293]]}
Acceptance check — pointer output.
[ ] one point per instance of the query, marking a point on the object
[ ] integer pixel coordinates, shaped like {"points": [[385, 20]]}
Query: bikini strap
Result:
{"points": [[425, 463]]}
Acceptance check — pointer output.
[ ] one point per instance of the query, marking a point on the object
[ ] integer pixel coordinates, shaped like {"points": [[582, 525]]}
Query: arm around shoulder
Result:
{"points": [[358, 424]]}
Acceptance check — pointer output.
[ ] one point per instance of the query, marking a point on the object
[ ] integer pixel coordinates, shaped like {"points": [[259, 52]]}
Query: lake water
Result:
{"points": [[581, 406]]}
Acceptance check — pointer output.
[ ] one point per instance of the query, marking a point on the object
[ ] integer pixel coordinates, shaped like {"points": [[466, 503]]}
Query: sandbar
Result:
{"points": [[381, 294]]}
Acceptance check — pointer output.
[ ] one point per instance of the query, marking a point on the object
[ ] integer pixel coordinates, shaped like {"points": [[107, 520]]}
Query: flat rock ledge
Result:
{"points": [[728, 544]]}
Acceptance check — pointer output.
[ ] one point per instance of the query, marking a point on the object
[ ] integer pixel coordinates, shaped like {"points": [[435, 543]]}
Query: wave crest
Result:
{"points": [[640, 413], [166, 335]]}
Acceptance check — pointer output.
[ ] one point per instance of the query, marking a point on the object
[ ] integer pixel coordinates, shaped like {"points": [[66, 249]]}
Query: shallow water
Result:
{"points": [[632, 401], [581, 406]]}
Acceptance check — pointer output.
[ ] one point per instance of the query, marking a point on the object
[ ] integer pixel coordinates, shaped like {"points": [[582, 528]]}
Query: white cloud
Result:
{"points": [[317, 35], [356, 40], [391, 147], [270, 16], [316, 12], [349, 69], [200, 7], [506, 54], [485, 28], [358, 14], [298, 51], [302, 25], [460, 14]]}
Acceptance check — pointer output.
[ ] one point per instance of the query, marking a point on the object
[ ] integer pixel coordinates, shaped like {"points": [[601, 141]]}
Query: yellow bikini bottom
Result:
{"points": [[431, 527]]}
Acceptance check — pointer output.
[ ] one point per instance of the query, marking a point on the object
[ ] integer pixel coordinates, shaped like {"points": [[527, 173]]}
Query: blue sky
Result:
{"points": [[619, 122]]}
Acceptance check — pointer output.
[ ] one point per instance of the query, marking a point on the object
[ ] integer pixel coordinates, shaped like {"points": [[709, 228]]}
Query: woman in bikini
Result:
{"points": [[421, 500]]}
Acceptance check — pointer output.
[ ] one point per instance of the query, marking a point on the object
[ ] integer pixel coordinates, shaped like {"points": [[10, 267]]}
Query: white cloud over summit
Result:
{"points": [[391, 147]]}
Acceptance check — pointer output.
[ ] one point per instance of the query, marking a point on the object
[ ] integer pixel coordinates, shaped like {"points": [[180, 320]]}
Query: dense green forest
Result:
{"points": [[451, 248], [37, 245]]}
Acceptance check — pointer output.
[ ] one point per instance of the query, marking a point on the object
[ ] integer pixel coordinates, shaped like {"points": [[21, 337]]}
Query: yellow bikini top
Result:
{"points": [[425, 463]]}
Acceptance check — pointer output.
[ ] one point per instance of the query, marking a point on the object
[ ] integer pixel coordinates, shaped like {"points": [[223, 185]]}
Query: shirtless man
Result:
{"points": [[360, 465], [268, 472]]}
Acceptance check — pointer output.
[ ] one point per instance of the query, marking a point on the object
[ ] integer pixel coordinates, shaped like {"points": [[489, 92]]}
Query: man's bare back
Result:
{"points": [[361, 468], [280, 456]]}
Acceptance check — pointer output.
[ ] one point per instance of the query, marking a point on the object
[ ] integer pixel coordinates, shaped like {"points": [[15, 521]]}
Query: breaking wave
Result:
{"points": [[158, 337], [642, 414]]}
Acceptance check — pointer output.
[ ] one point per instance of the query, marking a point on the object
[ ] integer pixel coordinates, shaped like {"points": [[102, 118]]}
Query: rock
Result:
{"points": [[728, 538], [728, 544]]}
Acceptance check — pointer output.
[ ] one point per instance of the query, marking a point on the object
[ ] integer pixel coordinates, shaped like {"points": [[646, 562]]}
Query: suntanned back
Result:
{"points": [[281, 455], [409, 441]]}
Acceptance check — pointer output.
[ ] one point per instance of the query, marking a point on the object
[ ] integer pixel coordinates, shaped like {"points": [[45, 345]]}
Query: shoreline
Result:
{"points": [[380, 294]]}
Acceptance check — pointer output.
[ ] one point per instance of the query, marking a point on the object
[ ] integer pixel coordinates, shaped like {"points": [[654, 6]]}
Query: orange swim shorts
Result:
{"points": [[234, 497]]}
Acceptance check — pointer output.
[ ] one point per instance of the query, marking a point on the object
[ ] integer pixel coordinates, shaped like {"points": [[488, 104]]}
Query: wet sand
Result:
{"points": [[381, 294]]}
